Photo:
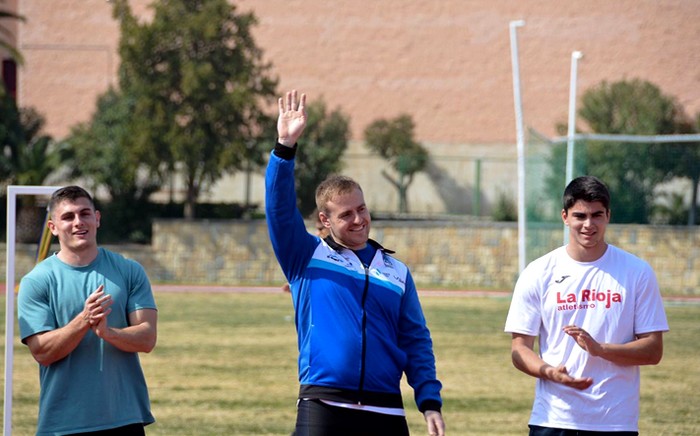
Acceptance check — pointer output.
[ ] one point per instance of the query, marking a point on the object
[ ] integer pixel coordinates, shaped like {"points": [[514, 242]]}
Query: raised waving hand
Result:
{"points": [[292, 118]]}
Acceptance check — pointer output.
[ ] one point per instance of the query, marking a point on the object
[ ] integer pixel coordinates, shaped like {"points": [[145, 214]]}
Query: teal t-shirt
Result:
{"points": [[97, 386]]}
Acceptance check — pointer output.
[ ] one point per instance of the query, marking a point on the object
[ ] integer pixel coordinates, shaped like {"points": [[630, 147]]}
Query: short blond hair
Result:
{"points": [[331, 187]]}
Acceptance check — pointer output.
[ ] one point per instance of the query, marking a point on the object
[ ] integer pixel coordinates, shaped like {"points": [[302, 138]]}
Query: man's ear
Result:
{"points": [[98, 215], [52, 227], [324, 219]]}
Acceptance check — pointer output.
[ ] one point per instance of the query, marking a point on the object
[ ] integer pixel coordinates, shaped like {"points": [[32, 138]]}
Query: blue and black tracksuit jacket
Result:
{"points": [[359, 328]]}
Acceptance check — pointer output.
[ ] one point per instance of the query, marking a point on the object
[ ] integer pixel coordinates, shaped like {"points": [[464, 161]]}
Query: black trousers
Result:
{"points": [[316, 418], [127, 430], [536, 430]]}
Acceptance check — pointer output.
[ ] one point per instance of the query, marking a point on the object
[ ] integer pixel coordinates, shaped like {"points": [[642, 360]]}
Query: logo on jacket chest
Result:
{"points": [[342, 260], [589, 298]]}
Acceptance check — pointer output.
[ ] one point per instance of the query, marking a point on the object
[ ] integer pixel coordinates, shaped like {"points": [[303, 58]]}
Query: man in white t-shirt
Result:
{"points": [[598, 315]]}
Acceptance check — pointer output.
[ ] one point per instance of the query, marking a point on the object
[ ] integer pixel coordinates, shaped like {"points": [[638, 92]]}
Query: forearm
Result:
{"points": [[289, 237], [52, 346], [645, 350], [415, 340], [133, 339], [527, 361], [421, 375], [280, 194], [139, 337]]}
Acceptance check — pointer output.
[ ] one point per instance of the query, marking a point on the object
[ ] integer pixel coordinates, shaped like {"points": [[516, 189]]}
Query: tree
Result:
{"points": [[693, 172], [393, 141], [27, 157], [325, 140], [5, 33], [199, 85], [682, 160], [632, 171], [102, 152], [634, 107]]}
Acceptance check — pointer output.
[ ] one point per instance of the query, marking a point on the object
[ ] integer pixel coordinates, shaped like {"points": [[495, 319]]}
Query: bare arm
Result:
{"points": [[646, 349], [526, 360], [139, 336], [52, 346]]}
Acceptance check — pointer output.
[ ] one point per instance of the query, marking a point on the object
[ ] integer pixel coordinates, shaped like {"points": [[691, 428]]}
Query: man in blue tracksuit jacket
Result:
{"points": [[359, 322]]}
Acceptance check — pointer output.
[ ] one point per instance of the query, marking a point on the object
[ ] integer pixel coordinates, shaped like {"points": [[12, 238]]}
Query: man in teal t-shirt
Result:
{"points": [[85, 313]]}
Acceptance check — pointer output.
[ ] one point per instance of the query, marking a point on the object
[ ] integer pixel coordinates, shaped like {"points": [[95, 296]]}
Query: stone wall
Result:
{"points": [[464, 255]]}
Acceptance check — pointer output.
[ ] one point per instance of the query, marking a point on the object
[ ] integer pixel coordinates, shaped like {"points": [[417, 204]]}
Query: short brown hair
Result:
{"points": [[331, 187], [70, 193]]}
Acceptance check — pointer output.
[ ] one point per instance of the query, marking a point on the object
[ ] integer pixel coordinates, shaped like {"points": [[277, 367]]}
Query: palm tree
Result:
{"points": [[27, 157], [5, 33]]}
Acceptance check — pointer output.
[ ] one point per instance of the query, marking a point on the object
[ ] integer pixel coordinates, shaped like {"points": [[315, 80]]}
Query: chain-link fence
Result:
{"points": [[652, 180]]}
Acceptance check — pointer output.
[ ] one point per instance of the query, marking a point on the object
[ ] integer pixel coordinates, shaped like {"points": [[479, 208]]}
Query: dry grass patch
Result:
{"points": [[225, 364]]}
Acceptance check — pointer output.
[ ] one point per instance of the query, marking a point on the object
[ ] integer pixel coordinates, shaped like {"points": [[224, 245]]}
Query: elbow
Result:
{"points": [[42, 355], [652, 356], [655, 358], [517, 360], [514, 359], [150, 344], [44, 359], [656, 353], [648, 349]]}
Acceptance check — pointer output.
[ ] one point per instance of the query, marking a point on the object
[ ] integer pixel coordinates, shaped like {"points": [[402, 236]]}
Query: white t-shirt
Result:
{"points": [[614, 299]]}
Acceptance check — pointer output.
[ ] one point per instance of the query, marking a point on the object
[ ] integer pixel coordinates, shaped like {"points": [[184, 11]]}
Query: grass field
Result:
{"points": [[225, 364]]}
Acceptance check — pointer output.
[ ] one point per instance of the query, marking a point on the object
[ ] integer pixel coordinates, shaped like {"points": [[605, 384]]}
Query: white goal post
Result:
{"points": [[12, 192]]}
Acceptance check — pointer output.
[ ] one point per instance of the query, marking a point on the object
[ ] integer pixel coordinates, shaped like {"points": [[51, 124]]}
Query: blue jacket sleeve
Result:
{"points": [[415, 340], [292, 244]]}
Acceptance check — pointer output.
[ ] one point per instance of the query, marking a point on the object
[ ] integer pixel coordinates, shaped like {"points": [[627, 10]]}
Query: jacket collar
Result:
{"points": [[337, 247]]}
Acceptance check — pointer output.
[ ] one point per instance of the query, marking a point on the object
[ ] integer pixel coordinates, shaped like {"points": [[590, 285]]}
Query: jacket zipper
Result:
{"points": [[364, 336]]}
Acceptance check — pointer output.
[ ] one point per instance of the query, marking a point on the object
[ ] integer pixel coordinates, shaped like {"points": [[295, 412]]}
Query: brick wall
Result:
{"points": [[446, 63], [466, 255]]}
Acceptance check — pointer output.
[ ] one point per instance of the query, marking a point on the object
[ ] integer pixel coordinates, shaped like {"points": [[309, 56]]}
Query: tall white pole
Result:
{"points": [[9, 309], [520, 143], [571, 142], [575, 56], [12, 193]]}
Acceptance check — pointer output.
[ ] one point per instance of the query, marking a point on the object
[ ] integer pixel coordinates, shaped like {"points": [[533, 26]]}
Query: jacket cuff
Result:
{"points": [[284, 152], [430, 405]]}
